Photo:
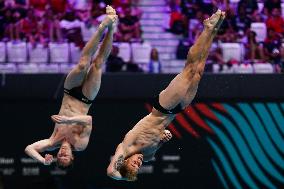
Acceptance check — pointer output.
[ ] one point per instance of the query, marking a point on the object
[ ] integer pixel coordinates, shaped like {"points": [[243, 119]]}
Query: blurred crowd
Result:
{"points": [[186, 18], [43, 21], [74, 21]]}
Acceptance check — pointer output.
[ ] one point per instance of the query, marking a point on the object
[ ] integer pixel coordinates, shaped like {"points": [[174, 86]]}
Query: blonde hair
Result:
{"points": [[127, 173]]}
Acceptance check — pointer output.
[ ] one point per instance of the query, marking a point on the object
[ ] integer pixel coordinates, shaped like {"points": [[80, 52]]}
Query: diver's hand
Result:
{"points": [[48, 159]]}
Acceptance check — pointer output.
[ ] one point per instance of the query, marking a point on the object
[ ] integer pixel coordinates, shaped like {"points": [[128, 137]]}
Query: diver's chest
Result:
{"points": [[148, 141], [69, 132]]}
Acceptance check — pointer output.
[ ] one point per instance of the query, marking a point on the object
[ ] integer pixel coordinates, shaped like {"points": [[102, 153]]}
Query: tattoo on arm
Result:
{"points": [[119, 162]]}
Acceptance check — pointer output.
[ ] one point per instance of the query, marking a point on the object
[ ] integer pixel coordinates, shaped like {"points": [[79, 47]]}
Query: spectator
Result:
{"points": [[272, 48], [88, 25], [208, 7], [155, 64], [250, 6], [98, 9], [39, 6], [32, 28], [10, 3], [136, 11], [269, 5], [216, 56], [190, 8], [254, 50], [58, 6], [196, 26], [21, 6], [182, 49], [11, 24], [114, 62], [230, 35], [80, 4], [275, 21], [229, 22], [2, 18], [71, 28], [28, 24], [178, 22], [51, 26], [243, 21], [257, 17], [129, 27]]}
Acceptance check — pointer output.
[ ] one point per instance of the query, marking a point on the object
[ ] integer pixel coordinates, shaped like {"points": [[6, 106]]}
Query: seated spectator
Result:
{"points": [[182, 49], [129, 27], [178, 22], [131, 67], [19, 5], [11, 23], [98, 9], [51, 26], [275, 21], [196, 26], [39, 6], [243, 21], [269, 5], [114, 62], [230, 21], [58, 6], [250, 6], [71, 28], [273, 48], [155, 64], [32, 28], [136, 11], [257, 17], [10, 3], [190, 7], [254, 50], [216, 56], [2, 20], [118, 4], [88, 25], [229, 36], [78, 5]]}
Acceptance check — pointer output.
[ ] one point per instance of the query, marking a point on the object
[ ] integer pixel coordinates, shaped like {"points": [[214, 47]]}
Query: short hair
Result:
{"points": [[128, 174], [65, 167]]}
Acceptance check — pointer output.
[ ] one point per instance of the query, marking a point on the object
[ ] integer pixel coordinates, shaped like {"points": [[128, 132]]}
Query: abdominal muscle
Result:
{"points": [[70, 107], [148, 131]]}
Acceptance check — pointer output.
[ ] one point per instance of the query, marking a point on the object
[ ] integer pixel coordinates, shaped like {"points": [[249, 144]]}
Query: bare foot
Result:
{"points": [[111, 12], [167, 135], [214, 22]]}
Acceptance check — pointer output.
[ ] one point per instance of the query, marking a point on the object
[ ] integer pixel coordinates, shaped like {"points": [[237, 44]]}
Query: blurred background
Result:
{"points": [[231, 137]]}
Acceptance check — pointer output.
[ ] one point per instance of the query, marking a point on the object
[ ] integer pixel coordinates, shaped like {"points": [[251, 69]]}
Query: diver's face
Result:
{"points": [[135, 161], [65, 155]]}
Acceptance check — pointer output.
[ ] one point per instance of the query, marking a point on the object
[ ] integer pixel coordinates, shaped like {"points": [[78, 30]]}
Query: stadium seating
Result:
{"points": [[59, 52], [17, 52], [38, 54], [231, 51], [2, 52], [263, 68]]}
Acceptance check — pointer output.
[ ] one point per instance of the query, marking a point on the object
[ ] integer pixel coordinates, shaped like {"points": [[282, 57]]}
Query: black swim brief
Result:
{"points": [[160, 108], [77, 93]]}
